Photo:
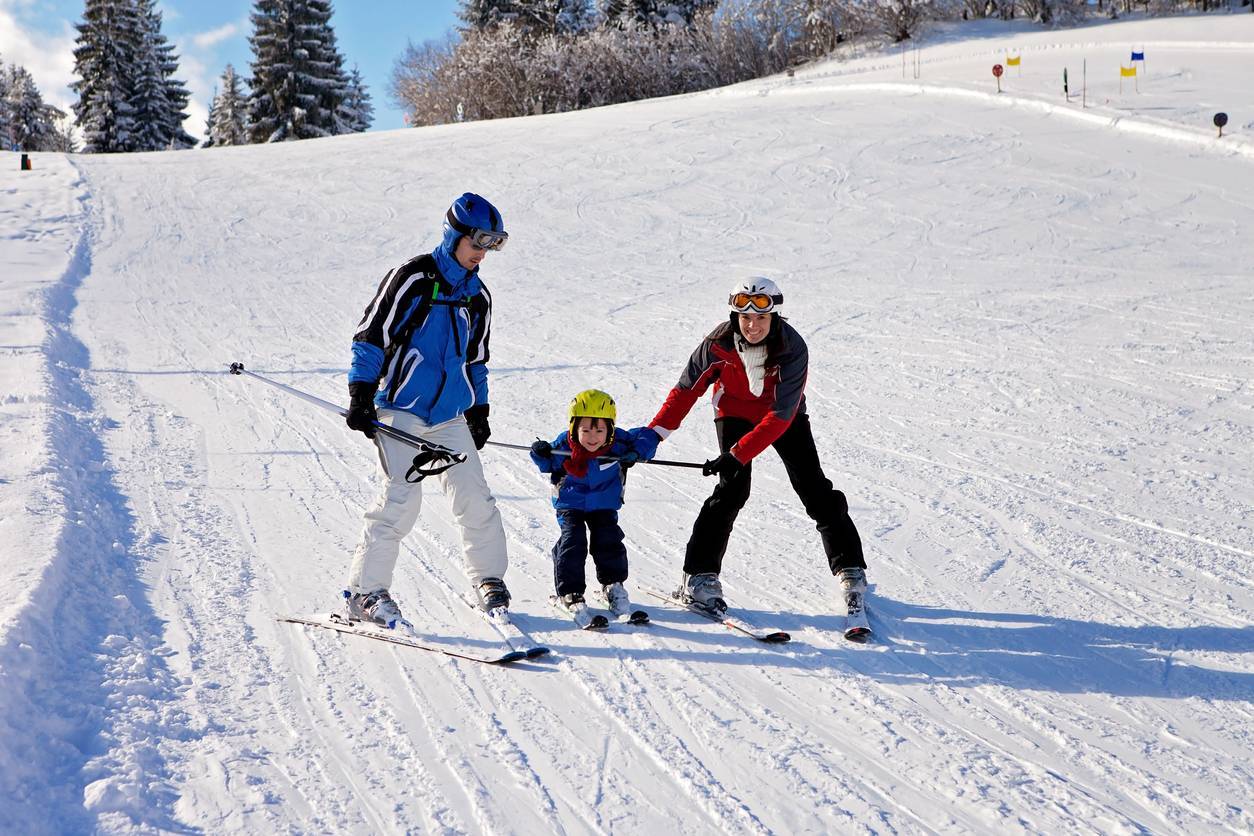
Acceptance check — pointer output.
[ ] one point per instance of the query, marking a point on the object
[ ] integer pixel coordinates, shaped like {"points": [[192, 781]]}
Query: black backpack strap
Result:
{"points": [[401, 341]]}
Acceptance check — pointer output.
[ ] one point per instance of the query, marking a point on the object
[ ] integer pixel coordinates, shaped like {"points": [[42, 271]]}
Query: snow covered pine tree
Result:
{"points": [[357, 113], [298, 83], [103, 62], [27, 123], [228, 115]]}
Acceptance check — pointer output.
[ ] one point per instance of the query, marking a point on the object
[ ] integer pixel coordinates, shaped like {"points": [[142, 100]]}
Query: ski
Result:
{"points": [[405, 638], [731, 622], [630, 615], [584, 618], [500, 621]]}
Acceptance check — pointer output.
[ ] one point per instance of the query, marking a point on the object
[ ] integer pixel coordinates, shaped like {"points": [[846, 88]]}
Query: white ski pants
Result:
{"points": [[395, 512]]}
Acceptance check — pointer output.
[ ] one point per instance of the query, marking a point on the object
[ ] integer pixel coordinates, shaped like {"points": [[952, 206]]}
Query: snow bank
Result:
{"points": [[83, 686]]}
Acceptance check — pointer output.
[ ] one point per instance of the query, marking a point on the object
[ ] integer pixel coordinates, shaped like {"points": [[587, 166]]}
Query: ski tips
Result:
{"points": [[860, 635]]}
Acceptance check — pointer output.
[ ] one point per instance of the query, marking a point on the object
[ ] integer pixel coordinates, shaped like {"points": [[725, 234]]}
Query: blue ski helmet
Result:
{"points": [[473, 215]]}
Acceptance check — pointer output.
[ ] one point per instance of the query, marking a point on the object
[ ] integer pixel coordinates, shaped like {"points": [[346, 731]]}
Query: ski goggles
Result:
{"points": [[483, 239], [480, 239], [755, 302]]}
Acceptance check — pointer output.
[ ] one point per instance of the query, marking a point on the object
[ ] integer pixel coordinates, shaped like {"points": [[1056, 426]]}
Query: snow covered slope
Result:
{"points": [[1031, 352]]}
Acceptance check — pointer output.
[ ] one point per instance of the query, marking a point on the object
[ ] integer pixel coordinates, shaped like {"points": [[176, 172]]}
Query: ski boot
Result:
{"points": [[616, 598], [374, 607], [853, 584], [573, 601], [705, 590], [619, 604], [492, 594], [574, 605], [853, 587]]}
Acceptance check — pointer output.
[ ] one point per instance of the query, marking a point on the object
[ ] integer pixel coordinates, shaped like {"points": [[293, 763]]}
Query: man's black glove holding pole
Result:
{"points": [[477, 421], [361, 412]]}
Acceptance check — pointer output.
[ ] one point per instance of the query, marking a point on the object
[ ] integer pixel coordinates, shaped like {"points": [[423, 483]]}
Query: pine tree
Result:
{"points": [[147, 94], [104, 63], [484, 14], [6, 135], [174, 96], [228, 124], [533, 18], [213, 114], [129, 99], [558, 17], [655, 13], [358, 112], [298, 84], [334, 83], [30, 121]]}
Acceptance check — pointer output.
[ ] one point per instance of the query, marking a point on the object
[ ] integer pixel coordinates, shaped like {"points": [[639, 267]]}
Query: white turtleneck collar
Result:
{"points": [[754, 359]]}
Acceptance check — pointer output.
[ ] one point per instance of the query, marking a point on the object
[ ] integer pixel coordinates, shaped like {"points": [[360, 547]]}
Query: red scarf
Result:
{"points": [[577, 464]]}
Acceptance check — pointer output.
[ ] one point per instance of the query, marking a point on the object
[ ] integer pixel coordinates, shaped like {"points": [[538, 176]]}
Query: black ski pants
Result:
{"points": [[826, 506], [605, 539]]}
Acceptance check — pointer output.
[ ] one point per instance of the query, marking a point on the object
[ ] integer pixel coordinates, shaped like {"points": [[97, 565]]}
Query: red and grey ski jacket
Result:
{"points": [[716, 363]]}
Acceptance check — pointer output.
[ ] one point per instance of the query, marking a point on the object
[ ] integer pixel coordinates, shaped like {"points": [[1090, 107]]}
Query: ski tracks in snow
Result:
{"points": [[989, 363]]}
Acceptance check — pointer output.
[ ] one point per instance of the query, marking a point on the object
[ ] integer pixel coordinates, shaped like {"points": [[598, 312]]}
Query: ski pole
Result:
{"points": [[663, 462], [413, 440], [391, 432]]}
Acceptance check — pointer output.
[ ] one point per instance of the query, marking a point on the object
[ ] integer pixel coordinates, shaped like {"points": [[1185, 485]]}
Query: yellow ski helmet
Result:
{"points": [[593, 403]]}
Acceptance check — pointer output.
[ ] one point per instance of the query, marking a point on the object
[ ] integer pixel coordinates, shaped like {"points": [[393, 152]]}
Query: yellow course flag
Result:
{"points": [[1127, 71], [1013, 62]]}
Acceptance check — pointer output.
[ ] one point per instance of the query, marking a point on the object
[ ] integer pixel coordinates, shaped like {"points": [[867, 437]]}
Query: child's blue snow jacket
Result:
{"points": [[425, 334], [602, 488]]}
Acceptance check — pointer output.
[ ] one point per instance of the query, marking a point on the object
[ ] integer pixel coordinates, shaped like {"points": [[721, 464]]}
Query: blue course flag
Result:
{"points": [[1138, 56]]}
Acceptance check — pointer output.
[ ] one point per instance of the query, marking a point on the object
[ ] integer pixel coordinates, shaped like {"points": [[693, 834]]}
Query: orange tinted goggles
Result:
{"points": [[759, 302]]}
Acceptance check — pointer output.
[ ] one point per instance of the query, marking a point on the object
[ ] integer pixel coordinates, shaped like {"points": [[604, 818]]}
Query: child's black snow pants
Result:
{"points": [[604, 538], [826, 506]]}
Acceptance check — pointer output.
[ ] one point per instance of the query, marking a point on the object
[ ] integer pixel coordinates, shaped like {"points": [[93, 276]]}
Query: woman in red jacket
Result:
{"points": [[757, 365]]}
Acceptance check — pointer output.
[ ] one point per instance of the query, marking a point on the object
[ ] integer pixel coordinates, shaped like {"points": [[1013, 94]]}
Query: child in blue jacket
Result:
{"points": [[588, 493]]}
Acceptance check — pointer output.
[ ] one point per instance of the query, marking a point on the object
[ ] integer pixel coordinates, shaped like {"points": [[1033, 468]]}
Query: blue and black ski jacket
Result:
{"points": [[425, 337]]}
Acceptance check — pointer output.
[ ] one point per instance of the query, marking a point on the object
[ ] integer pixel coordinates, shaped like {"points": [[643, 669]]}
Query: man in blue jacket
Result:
{"points": [[420, 359]]}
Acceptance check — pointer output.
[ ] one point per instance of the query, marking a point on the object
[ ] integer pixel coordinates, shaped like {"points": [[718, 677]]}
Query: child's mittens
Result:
{"points": [[542, 455], [644, 441], [627, 459]]}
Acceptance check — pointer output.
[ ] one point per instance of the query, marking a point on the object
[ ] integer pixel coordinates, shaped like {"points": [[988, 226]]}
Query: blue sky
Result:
{"points": [[39, 34]]}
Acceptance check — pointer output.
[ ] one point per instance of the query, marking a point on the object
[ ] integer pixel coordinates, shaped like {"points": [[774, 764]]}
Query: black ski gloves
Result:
{"points": [[542, 449], [726, 466], [361, 412], [477, 420]]}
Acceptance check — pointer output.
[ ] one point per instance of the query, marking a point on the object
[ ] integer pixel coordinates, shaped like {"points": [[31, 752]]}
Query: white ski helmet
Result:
{"points": [[756, 294]]}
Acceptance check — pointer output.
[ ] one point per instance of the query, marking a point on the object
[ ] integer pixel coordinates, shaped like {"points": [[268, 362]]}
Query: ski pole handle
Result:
{"points": [[663, 462]]}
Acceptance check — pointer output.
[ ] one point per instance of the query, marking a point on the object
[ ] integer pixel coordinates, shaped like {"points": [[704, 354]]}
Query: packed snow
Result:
{"points": [[1030, 343]]}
